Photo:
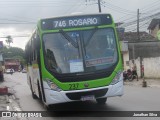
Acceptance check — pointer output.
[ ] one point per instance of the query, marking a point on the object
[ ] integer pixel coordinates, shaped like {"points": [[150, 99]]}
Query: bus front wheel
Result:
{"points": [[39, 92], [33, 95], [101, 101]]}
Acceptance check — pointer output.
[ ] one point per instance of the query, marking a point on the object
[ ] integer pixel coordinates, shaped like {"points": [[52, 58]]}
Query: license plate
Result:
{"points": [[85, 98]]}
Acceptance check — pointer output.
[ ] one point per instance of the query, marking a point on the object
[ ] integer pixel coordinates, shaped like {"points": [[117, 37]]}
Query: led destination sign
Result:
{"points": [[78, 21]]}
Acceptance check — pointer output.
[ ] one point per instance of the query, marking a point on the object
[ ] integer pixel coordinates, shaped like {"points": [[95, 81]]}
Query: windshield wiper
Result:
{"points": [[88, 40], [70, 40], [91, 35]]}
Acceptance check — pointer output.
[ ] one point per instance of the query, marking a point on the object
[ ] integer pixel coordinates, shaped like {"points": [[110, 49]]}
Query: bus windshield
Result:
{"points": [[80, 51]]}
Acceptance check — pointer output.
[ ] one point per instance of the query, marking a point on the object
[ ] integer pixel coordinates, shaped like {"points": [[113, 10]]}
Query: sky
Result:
{"points": [[19, 17]]}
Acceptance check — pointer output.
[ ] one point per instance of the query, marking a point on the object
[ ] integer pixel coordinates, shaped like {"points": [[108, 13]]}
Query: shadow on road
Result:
{"points": [[81, 109]]}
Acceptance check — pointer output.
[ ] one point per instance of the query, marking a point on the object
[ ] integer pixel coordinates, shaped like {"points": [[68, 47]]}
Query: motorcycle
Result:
{"points": [[128, 75], [11, 71]]}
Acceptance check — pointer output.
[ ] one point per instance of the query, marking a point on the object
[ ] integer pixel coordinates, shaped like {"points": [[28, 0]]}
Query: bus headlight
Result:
{"points": [[117, 78], [52, 85]]}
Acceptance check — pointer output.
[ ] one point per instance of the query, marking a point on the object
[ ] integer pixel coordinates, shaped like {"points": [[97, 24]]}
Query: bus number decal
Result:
{"points": [[59, 24], [73, 86]]}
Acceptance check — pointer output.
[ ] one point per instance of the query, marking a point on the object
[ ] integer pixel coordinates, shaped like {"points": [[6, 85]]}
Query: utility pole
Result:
{"points": [[99, 5], [138, 36]]}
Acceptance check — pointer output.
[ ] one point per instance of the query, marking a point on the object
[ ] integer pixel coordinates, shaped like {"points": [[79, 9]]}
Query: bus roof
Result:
{"points": [[74, 15]]}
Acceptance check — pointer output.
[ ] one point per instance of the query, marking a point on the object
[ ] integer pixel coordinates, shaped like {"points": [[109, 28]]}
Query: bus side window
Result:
{"points": [[27, 53], [35, 46], [30, 53], [37, 42], [32, 49]]}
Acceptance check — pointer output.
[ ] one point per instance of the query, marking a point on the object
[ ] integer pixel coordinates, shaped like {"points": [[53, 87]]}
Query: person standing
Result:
{"points": [[11, 71], [134, 71], [142, 70]]}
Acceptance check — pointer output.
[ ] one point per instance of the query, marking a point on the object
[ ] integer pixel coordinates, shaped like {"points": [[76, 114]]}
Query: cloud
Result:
{"points": [[17, 16], [18, 40]]}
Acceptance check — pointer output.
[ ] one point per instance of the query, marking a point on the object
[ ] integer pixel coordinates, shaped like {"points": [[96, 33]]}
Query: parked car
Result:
{"points": [[24, 71], [1, 72], [1, 75], [9, 71]]}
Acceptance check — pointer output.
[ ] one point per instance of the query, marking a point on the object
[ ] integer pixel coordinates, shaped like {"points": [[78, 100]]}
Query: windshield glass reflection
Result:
{"points": [[80, 51]]}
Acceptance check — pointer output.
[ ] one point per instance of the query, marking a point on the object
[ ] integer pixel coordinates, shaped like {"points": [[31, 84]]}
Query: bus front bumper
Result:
{"points": [[54, 97]]}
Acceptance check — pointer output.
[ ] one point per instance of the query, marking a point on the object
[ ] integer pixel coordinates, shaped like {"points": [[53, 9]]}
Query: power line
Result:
{"points": [[118, 8], [126, 19], [16, 36], [134, 26], [141, 25], [15, 20], [18, 23], [67, 11], [30, 6], [99, 2], [141, 19], [143, 15], [37, 3], [150, 5]]}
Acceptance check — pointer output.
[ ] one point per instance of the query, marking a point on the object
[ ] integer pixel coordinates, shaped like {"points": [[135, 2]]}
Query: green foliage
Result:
{"points": [[14, 52], [9, 40]]}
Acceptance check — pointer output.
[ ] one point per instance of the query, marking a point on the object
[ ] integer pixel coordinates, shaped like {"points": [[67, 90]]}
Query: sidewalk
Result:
{"points": [[150, 82], [5, 99], [8, 102]]}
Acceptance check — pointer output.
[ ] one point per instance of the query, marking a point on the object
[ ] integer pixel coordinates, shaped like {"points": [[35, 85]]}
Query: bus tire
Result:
{"points": [[33, 95], [39, 92], [101, 101], [48, 107]]}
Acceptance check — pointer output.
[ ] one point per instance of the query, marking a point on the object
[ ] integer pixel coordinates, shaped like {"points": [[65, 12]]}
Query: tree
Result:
{"points": [[14, 52], [9, 40]]}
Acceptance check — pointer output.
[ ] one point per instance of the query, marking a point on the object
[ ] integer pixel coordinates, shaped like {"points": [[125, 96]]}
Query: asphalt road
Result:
{"points": [[135, 98]]}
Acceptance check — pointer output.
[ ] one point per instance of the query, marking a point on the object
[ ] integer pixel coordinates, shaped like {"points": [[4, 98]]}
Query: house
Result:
{"points": [[133, 36], [138, 50], [133, 47], [142, 49], [12, 63], [154, 28]]}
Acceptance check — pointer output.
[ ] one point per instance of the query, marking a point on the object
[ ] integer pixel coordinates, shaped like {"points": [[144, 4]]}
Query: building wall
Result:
{"points": [[154, 32], [12, 63], [149, 53], [144, 50], [137, 62], [152, 67], [126, 60], [125, 54]]}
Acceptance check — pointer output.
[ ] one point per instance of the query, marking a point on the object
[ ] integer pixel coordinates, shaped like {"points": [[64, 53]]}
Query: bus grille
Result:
{"points": [[78, 95]]}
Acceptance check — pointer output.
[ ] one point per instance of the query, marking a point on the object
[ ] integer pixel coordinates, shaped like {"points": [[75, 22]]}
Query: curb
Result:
{"points": [[153, 83]]}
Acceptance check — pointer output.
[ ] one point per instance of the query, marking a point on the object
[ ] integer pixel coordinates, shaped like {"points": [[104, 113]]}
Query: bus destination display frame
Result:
{"points": [[76, 21]]}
